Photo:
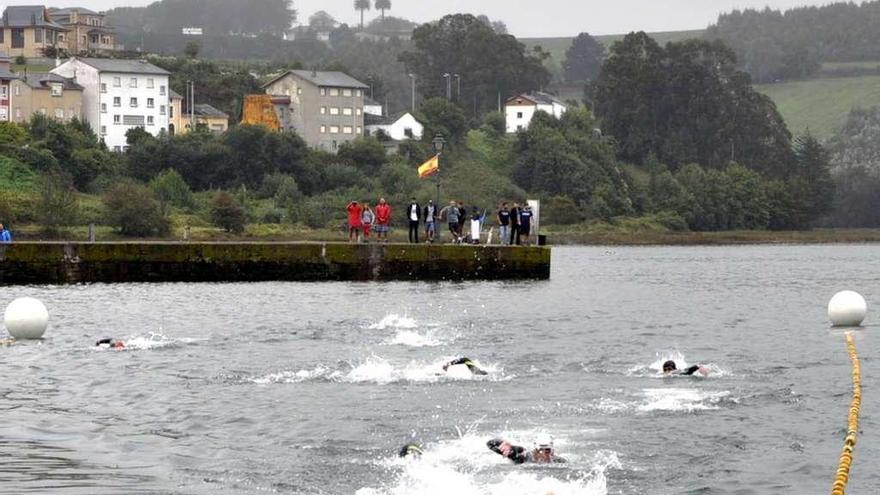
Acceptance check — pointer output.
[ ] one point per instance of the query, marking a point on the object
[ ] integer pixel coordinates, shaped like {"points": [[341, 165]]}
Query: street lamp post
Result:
{"points": [[458, 87], [438, 143], [448, 78], [413, 77]]}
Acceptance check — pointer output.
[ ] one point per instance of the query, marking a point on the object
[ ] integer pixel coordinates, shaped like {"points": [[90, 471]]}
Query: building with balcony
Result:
{"points": [[28, 30], [87, 31]]}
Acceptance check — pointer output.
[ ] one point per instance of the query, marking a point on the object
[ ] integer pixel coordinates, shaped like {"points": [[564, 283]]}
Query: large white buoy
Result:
{"points": [[26, 318], [847, 309]]}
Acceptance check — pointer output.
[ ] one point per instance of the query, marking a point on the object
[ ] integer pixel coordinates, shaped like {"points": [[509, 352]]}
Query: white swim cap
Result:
{"points": [[544, 441]]}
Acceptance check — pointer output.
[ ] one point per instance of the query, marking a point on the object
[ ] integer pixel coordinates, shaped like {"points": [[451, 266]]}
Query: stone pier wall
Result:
{"points": [[71, 263]]}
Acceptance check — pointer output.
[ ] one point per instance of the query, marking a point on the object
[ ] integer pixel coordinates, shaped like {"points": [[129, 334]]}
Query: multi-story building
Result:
{"points": [[46, 93], [6, 79], [29, 30], [119, 95], [325, 108], [205, 116], [87, 32]]}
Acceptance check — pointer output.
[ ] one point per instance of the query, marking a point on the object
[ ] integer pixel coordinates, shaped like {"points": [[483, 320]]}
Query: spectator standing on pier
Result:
{"points": [[5, 236], [504, 224], [430, 216], [514, 224], [525, 223], [452, 219], [462, 217], [367, 220], [413, 214], [476, 223], [354, 221], [383, 219]]}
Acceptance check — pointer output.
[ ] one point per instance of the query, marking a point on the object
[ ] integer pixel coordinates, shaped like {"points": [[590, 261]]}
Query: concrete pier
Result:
{"points": [[116, 262]]}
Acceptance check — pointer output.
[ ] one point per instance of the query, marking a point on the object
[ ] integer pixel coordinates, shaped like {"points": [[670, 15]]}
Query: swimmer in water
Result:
{"points": [[543, 452], [411, 450], [110, 343], [669, 368], [467, 362]]}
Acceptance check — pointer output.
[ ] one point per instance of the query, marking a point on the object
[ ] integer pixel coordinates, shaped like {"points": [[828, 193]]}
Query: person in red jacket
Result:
{"points": [[354, 221], [383, 218]]}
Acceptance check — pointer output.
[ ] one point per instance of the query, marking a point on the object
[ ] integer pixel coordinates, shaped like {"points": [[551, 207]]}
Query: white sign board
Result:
{"points": [[536, 217], [192, 31]]}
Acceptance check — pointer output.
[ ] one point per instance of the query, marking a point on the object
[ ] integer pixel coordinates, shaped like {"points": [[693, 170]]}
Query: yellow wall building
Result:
{"points": [[28, 31]]}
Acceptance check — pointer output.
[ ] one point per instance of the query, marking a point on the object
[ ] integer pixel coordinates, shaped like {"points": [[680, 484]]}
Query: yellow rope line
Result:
{"points": [[839, 487]]}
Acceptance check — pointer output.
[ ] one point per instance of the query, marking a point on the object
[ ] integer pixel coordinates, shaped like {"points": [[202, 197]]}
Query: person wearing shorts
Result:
{"points": [[429, 213], [367, 219], [383, 219]]}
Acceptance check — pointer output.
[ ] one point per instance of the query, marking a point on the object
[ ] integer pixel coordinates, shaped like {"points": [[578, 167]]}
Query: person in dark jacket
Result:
{"points": [[542, 453], [462, 215], [413, 215], [525, 223], [504, 224], [514, 224]]}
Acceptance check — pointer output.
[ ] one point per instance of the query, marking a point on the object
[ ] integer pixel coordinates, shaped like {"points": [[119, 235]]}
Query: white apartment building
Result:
{"points": [[119, 95]]}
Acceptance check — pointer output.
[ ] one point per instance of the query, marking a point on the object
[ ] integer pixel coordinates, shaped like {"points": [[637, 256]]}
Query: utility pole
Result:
{"points": [[413, 77], [458, 90], [448, 78]]}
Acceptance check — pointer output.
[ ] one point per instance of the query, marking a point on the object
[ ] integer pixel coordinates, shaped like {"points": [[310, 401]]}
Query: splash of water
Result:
{"points": [[681, 399], [393, 320]]}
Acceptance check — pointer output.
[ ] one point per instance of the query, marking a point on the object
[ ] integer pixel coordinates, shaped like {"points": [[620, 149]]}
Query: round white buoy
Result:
{"points": [[26, 318], [847, 309]]}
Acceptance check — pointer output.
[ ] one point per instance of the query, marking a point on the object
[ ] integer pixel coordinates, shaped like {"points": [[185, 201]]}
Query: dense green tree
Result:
{"points": [[365, 153], [816, 186], [439, 116], [688, 103], [56, 204], [489, 63], [133, 210], [170, 189], [583, 59], [192, 49], [227, 213]]}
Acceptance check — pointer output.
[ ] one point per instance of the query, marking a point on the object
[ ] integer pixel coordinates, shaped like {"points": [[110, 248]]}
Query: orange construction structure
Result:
{"points": [[259, 110]]}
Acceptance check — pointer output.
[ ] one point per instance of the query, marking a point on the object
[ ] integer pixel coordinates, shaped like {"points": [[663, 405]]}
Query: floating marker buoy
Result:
{"points": [[847, 309], [26, 318]]}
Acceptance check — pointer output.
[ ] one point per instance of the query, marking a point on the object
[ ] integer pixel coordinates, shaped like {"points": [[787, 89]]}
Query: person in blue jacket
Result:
{"points": [[5, 236]]}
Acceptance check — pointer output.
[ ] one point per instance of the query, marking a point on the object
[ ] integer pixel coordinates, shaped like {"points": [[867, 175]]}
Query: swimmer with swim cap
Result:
{"points": [[411, 450], [467, 362], [110, 343], [669, 368], [543, 452]]}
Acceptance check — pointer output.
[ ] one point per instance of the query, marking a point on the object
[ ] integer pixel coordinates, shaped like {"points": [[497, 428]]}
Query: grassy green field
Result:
{"points": [[557, 46], [821, 105]]}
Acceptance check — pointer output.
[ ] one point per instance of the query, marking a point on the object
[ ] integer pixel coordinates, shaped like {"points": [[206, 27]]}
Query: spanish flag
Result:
{"points": [[429, 167]]}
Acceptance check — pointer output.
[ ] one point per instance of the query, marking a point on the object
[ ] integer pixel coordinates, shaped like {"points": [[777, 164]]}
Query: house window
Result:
{"points": [[334, 111], [117, 101], [150, 102], [133, 82], [334, 129], [150, 82], [408, 132], [346, 111], [38, 35], [323, 129], [347, 129], [171, 112], [17, 87], [346, 92], [103, 108], [4, 90], [59, 113], [18, 112], [103, 130], [117, 82], [133, 102], [519, 115], [161, 90], [360, 130], [117, 120], [95, 39], [17, 38], [161, 109], [334, 91], [1, 35], [358, 93], [323, 91], [359, 111], [117, 149], [150, 120], [137, 120], [323, 110], [103, 87], [55, 90]]}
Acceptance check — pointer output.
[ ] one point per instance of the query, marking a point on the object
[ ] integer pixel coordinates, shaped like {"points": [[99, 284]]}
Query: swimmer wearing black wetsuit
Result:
{"points": [[669, 368], [467, 362], [411, 450], [111, 343], [542, 454]]}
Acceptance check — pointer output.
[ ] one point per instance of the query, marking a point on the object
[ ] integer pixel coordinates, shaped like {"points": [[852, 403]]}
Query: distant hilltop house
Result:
{"points": [[119, 95], [400, 127], [87, 31], [519, 110], [205, 116], [28, 30], [325, 108]]}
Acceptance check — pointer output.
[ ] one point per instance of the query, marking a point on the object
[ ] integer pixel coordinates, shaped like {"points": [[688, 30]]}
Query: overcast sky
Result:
{"points": [[532, 18]]}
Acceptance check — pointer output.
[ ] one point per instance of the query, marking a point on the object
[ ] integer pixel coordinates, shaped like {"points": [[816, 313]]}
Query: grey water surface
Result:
{"points": [[311, 388]]}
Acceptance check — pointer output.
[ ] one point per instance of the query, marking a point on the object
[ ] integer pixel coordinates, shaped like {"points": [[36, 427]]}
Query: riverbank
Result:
{"points": [[585, 235]]}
